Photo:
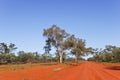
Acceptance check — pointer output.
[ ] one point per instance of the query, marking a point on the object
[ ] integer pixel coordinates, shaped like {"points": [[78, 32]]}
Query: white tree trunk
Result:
{"points": [[76, 58], [61, 56], [61, 59]]}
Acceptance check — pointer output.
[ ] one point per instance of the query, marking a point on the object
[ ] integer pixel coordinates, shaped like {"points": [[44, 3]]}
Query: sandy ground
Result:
{"points": [[83, 71]]}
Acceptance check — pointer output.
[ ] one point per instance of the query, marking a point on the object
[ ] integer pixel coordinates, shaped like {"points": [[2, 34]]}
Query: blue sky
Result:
{"points": [[22, 21]]}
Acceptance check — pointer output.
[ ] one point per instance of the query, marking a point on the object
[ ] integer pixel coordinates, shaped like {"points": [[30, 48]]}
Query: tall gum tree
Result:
{"points": [[57, 37]]}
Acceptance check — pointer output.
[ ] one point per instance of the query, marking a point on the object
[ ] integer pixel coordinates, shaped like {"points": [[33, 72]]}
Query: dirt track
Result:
{"points": [[87, 71], [84, 71]]}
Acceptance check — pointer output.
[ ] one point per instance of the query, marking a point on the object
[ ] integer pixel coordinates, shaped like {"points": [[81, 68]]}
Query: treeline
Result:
{"points": [[8, 57], [109, 54], [65, 45]]}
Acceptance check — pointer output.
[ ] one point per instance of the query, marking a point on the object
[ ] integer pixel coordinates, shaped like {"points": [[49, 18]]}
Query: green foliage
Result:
{"points": [[116, 55], [7, 58], [4, 48], [109, 54], [76, 46], [26, 57], [56, 38], [63, 43]]}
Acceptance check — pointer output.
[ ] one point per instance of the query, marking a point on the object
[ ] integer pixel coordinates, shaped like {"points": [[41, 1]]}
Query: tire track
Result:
{"points": [[105, 75]]}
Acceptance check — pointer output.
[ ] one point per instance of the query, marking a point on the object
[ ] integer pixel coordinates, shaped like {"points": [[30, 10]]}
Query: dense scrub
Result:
{"points": [[109, 54]]}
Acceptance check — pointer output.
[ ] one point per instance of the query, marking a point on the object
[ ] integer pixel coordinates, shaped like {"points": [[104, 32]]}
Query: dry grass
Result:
{"points": [[22, 66]]}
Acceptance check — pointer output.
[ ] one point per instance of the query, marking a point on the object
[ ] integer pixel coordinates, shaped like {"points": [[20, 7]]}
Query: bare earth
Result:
{"points": [[83, 71]]}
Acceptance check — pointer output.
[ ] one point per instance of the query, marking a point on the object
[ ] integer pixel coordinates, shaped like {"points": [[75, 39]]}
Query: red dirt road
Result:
{"points": [[83, 71]]}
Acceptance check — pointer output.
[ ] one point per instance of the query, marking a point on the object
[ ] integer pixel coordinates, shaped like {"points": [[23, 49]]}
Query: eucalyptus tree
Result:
{"points": [[116, 54], [4, 48], [76, 46], [47, 47], [78, 49], [57, 37]]}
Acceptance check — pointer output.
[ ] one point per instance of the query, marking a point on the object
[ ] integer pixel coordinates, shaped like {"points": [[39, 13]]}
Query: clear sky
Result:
{"points": [[22, 21]]}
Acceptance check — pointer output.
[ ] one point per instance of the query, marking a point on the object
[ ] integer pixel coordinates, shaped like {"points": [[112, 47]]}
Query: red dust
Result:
{"points": [[83, 71]]}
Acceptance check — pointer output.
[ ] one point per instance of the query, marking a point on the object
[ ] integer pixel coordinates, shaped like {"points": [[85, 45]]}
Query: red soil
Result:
{"points": [[83, 71]]}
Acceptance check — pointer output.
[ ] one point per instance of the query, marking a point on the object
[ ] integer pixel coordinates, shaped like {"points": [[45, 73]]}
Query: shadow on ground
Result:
{"points": [[113, 67]]}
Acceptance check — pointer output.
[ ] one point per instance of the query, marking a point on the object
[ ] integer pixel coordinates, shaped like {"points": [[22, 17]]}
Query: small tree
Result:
{"points": [[6, 55], [4, 48], [25, 57], [78, 49], [116, 55], [76, 46]]}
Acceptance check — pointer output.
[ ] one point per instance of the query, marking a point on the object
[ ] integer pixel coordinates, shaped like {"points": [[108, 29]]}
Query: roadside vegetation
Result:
{"points": [[67, 48], [109, 54]]}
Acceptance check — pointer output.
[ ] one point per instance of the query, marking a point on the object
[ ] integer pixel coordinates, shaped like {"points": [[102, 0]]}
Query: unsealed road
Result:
{"points": [[83, 71], [87, 71]]}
